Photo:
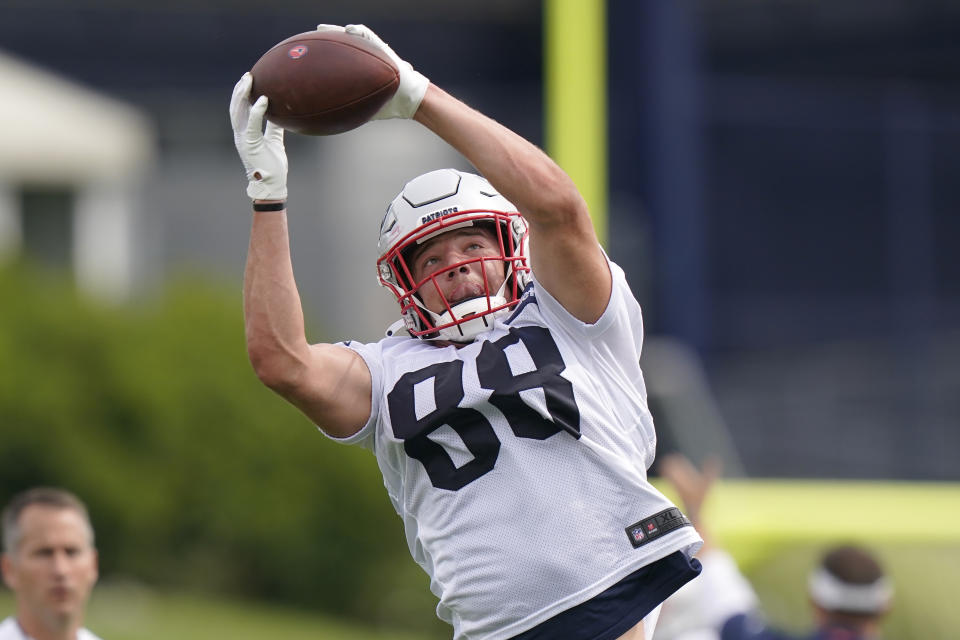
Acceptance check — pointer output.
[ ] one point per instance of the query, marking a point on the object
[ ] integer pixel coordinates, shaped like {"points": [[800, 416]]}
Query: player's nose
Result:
{"points": [[60, 564], [456, 264], [457, 269]]}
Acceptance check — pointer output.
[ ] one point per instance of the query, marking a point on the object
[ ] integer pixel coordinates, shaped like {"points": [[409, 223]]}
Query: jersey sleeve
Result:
{"points": [[373, 357]]}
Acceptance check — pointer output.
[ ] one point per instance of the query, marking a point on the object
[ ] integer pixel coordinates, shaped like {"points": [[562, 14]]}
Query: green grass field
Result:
{"points": [[133, 612]]}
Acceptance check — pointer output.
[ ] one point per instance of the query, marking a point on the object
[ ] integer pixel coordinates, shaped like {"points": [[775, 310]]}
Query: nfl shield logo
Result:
{"points": [[637, 534]]}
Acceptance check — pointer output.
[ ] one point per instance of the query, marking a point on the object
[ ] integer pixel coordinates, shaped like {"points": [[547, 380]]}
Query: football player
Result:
{"points": [[506, 409], [50, 563]]}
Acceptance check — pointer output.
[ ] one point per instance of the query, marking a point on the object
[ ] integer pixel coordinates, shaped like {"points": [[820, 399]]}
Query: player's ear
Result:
{"points": [[9, 571]]}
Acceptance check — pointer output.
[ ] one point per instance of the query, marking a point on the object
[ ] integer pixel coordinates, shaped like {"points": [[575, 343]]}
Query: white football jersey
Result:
{"points": [[518, 462], [10, 630]]}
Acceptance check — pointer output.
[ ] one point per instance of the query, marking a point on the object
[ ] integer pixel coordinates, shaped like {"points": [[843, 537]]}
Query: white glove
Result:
{"points": [[261, 152], [413, 84]]}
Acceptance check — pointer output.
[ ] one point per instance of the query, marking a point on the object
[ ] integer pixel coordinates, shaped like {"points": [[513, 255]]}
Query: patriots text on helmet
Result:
{"points": [[438, 214]]}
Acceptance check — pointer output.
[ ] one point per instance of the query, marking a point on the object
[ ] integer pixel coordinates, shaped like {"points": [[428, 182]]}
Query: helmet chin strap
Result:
{"points": [[468, 329], [465, 331], [395, 327]]}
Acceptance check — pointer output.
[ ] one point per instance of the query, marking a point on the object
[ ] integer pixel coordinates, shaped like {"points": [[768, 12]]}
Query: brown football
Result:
{"points": [[323, 82]]}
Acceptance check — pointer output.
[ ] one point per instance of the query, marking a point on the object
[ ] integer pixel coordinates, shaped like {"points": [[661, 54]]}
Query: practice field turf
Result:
{"points": [[133, 612], [755, 518]]}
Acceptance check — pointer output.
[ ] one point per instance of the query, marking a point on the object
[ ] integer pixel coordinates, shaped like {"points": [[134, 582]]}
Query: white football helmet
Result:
{"points": [[432, 204]]}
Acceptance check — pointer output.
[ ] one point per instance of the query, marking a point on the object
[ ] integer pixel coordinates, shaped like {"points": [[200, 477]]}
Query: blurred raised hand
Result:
{"points": [[691, 484]]}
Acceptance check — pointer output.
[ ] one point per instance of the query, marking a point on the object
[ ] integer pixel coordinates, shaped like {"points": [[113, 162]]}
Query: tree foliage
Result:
{"points": [[196, 475]]}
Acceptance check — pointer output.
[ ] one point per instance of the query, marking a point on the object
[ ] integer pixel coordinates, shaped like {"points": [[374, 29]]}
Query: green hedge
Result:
{"points": [[196, 474]]}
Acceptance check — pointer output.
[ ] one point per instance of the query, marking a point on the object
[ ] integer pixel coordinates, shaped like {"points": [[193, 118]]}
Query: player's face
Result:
{"points": [[444, 256], [54, 567]]}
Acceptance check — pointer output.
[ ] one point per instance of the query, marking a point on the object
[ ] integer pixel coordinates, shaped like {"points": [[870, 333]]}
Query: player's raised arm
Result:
{"points": [[330, 384], [565, 255], [564, 252]]}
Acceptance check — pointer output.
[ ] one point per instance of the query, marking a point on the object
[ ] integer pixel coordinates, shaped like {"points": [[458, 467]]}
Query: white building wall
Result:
{"points": [[65, 135], [104, 242], [10, 227]]}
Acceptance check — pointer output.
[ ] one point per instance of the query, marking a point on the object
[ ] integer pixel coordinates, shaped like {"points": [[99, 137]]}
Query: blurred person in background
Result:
{"points": [[50, 563], [509, 419], [848, 590]]}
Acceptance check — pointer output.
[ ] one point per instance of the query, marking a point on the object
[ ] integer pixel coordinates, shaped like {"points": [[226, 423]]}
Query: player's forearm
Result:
{"points": [[273, 316], [523, 174]]}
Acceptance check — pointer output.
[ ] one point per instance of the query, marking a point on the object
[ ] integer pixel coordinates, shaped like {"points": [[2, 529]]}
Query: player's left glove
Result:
{"points": [[261, 150], [413, 84]]}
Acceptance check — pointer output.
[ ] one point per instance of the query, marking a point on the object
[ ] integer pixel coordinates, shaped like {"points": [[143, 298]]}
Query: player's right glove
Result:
{"points": [[413, 84], [261, 150]]}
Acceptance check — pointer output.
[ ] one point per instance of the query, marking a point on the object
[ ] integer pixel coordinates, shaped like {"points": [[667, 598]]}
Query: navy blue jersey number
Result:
{"points": [[474, 429], [494, 373], [493, 370]]}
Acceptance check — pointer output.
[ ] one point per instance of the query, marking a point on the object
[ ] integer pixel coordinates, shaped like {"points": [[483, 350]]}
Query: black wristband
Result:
{"points": [[269, 206]]}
